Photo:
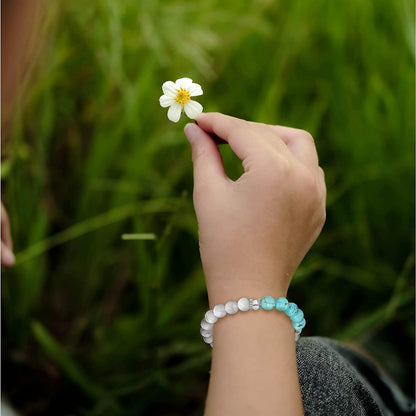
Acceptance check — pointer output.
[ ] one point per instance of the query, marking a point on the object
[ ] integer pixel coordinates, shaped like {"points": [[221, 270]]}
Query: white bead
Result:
{"points": [[205, 332], [210, 317], [243, 304], [208, 340], [206, 325], [219, 311], [297, 334], [231, 307]]}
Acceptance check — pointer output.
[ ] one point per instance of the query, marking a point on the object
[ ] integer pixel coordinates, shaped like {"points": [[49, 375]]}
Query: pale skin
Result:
{"points": [[7, 256], [19, 40], [254, 232]]}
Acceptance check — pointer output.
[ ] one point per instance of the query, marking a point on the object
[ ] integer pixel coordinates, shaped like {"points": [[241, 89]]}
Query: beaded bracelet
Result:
{"points": [[244, 304]]}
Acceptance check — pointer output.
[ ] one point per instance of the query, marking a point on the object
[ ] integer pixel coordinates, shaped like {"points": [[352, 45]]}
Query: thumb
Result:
{"points": [[206, 157]]}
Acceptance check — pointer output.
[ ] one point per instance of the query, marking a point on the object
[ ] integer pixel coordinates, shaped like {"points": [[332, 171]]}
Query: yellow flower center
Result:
{"points": [[182, 96]]}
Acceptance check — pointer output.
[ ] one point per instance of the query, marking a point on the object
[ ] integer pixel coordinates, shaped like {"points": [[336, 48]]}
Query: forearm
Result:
{"points": [[254, 365], [253, 233]]}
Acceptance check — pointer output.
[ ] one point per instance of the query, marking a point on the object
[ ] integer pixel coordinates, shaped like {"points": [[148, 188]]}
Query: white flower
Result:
{"points": [[177, 96]]}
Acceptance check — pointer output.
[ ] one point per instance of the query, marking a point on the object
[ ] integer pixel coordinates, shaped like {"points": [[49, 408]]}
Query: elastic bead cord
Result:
{"points": [[267, 303]]}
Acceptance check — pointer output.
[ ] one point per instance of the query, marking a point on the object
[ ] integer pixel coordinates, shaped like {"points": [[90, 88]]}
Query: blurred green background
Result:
{"points": [[97, 325]]}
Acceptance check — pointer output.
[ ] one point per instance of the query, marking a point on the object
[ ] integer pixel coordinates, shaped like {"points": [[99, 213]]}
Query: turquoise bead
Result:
{"points": [[297, 317], [267, 303], [291, 309], [281, 304], [299, 325]]}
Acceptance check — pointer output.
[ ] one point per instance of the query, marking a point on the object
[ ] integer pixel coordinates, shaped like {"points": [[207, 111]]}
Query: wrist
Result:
{"points": [[267, 303], [223, 289]]}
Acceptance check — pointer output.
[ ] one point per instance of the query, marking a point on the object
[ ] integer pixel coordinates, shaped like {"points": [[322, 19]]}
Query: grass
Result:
{"points": [[98, 324]]}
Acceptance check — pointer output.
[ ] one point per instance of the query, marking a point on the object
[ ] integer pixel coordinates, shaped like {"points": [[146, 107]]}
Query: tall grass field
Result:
{"points": [[96, 324]]}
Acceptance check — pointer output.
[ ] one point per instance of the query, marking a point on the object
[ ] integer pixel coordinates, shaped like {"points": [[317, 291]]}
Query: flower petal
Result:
{"points": [[184, 83], [193, 109], [166, 101], [169, 88], [174, 112], [195, 90]]}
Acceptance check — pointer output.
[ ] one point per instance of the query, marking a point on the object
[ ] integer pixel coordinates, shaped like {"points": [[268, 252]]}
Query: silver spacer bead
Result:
{"points": [[254, 304], [297, 334]]}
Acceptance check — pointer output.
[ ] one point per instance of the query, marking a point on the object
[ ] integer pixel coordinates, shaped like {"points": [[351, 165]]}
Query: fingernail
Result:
{"points": [[7, 256], [190, 131]]}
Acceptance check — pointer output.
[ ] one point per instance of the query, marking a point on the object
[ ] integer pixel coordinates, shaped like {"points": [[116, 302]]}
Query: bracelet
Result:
{"points": [[244, 304]]}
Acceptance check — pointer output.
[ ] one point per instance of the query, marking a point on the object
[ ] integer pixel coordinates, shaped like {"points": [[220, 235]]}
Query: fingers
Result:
{"points": [[6, 236], [300, 143], [258, 140], [302, 146], [220, 124], [240, 135], [206, 157], [7, 256], [244, 140], [232, 130]]}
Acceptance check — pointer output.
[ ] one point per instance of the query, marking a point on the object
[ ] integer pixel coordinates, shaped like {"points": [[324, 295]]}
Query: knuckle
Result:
{"points": [[322, 217], [284, 167], [310, 189], [309, 184], [307, 136], [277, 167], [322, 181]]}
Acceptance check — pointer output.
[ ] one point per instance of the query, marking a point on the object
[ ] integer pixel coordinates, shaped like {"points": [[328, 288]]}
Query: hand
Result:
{"points": [[254, 231], [7, 256]]}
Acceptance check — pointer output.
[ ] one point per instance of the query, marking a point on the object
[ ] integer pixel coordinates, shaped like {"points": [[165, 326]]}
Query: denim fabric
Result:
{"points": [[335, 380]]}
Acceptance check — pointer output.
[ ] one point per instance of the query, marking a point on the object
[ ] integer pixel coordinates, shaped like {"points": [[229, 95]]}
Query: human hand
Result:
{"points": [[254, 231], [7, 256]]}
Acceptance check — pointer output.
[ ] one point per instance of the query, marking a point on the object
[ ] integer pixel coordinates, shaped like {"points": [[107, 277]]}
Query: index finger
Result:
{"points": [[238, 133], [220, 124]]}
